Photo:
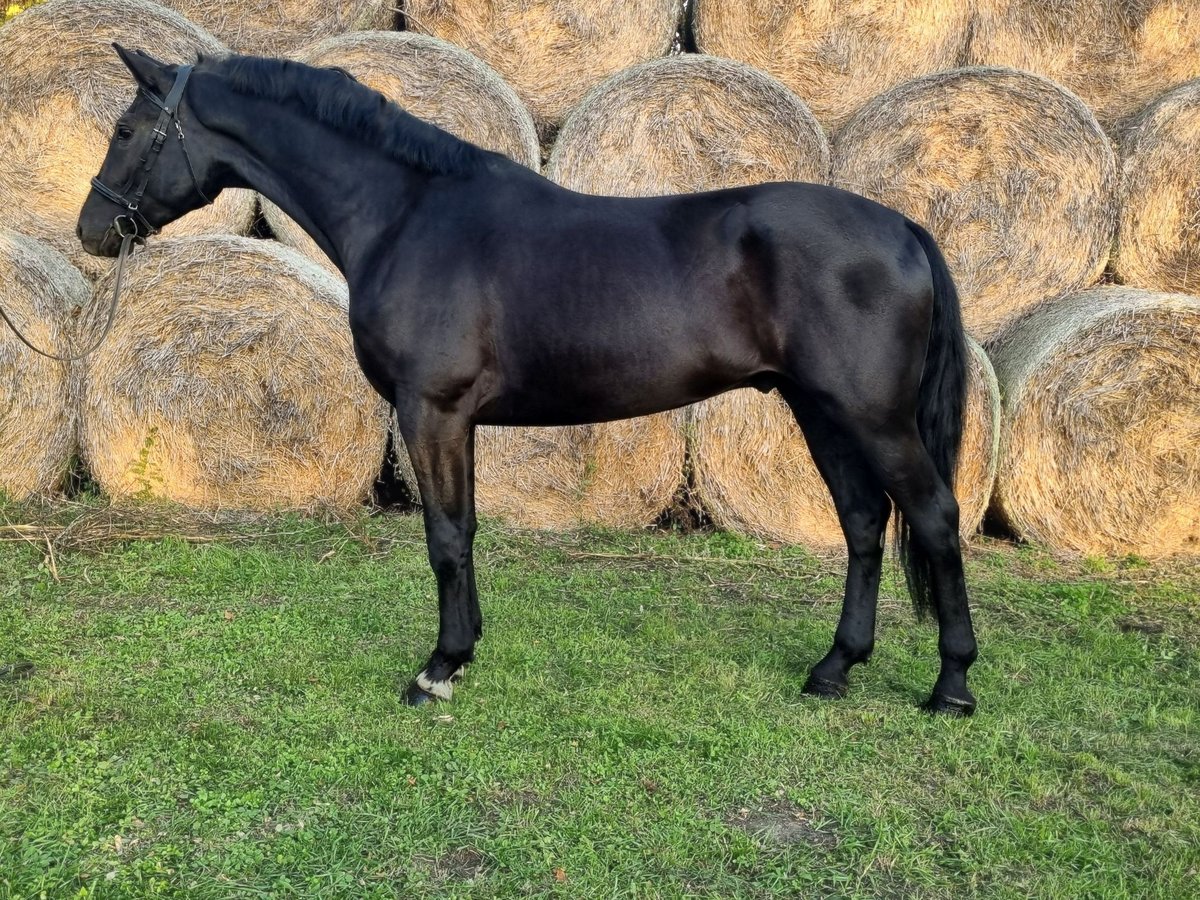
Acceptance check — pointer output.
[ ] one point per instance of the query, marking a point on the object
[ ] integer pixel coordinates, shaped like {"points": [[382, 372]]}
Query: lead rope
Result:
{"points": [[126, 241]]}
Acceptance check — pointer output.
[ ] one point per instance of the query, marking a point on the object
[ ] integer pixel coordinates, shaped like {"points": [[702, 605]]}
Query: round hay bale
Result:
{"points": [[836, 56], [433, 80], [1010, 172], [229, 380], [62, 89], [1158, 241], [620, 474], [1100, 434], [691, 123], [1117, 56], [43, 294], [753, 471], [277, 27], [551, 51], [688, 123]]}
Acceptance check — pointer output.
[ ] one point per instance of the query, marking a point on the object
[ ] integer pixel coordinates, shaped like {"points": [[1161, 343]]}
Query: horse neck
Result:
{"points": [[323, 180]]}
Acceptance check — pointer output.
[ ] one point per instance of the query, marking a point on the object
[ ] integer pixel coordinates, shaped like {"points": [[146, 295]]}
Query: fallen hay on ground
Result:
{"points": [[1100, 435], [1117, 55], [1010, 172], [43, 295], [836, 56], [62, 88], [435, 81], [230, 381], [551, 51], [753, 471], [1158, 241], [278, 27], [681, 124]]}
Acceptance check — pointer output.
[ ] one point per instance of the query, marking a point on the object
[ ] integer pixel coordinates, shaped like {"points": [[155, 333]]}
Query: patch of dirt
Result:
{"points": [[1140, 624], [781, 823], [462, 864]]}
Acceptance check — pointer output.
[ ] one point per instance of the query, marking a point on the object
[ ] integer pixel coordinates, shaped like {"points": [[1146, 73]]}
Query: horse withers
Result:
{"points": [[482, 293]]}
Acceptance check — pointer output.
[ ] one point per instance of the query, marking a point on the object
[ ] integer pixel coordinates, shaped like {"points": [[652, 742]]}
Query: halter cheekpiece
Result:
{"points": [[135, 224]]}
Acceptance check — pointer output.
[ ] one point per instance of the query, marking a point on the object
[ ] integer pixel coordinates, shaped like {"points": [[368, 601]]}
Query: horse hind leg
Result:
{"points": [[863, 509], [930, 512]]}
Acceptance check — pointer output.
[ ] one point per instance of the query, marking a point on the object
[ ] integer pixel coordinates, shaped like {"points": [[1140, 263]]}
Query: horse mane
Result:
{"points": [[335, 98]]}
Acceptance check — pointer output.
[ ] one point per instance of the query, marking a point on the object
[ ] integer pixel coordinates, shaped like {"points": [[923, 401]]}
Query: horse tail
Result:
{"points": [[940, 403]]}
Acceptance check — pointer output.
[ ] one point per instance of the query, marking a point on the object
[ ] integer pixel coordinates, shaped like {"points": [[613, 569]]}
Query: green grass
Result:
{"points": [[221, 719]]}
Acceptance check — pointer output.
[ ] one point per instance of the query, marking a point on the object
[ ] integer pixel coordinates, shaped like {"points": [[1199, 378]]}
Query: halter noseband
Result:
{"points": [[131, 202]]}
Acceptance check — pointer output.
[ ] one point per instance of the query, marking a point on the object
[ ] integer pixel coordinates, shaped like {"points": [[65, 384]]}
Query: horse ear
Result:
{"points": [[149, 72]]}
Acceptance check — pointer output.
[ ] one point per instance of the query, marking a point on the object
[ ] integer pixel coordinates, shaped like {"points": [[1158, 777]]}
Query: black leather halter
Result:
{"points": [[130, 197]]}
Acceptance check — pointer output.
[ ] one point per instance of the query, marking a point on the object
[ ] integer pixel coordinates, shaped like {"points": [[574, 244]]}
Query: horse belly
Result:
{"points": [[592, 385]]}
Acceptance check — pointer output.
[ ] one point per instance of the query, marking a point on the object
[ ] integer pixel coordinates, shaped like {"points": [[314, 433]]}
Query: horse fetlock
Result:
{"points": [[853, 652], [427, 687]]}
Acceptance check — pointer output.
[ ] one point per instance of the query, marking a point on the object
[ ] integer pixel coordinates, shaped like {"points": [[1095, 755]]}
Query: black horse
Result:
{"points": [[482, 293]]}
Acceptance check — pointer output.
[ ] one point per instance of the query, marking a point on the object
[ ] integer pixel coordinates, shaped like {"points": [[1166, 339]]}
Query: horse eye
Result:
{"points": [[124, 133]]}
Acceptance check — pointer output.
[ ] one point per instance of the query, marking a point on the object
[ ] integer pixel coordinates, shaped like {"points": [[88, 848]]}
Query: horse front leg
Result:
{"points": [[441, 448]]}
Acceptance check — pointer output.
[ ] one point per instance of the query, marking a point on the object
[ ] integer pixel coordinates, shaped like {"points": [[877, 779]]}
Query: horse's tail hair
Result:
{"points": [[940, 404]]}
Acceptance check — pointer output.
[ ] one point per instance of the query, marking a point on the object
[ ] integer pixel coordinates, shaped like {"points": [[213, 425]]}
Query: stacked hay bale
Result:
{"points": [[433, 80], [1115, 54], [1100, 436], [1011, 173], [690, 123], [229, 380], [43, 296], [836, 56], [62, 89], [753, 471], [1158, 242], [278, 27], [551, 51]]}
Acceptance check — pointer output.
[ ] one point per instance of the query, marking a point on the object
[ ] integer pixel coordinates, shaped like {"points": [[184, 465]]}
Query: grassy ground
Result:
{"points": [[215, 715]]}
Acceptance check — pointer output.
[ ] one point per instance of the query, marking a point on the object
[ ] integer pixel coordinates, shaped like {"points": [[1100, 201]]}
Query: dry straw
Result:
{"points": [[1116, 54], [1158, 242], [44, 295], [753, 471], [680, 124], [551, 51], [836, 55], [230, 381], [1011, 173], [278, 27], [433, 80], [688, 123], [1100, 436], [62, 88]]}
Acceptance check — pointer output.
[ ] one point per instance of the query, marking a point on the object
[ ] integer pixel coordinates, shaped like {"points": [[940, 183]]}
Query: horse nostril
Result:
{"points": [[79, 230]]}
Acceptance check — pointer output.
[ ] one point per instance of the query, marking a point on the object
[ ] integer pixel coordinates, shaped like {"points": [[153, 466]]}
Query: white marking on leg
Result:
{"points": [[443, 690]]}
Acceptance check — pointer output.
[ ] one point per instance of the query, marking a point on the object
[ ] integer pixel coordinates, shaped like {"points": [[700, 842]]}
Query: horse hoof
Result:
{"points": [[943, 704], [824, 688], [416, 695]]}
